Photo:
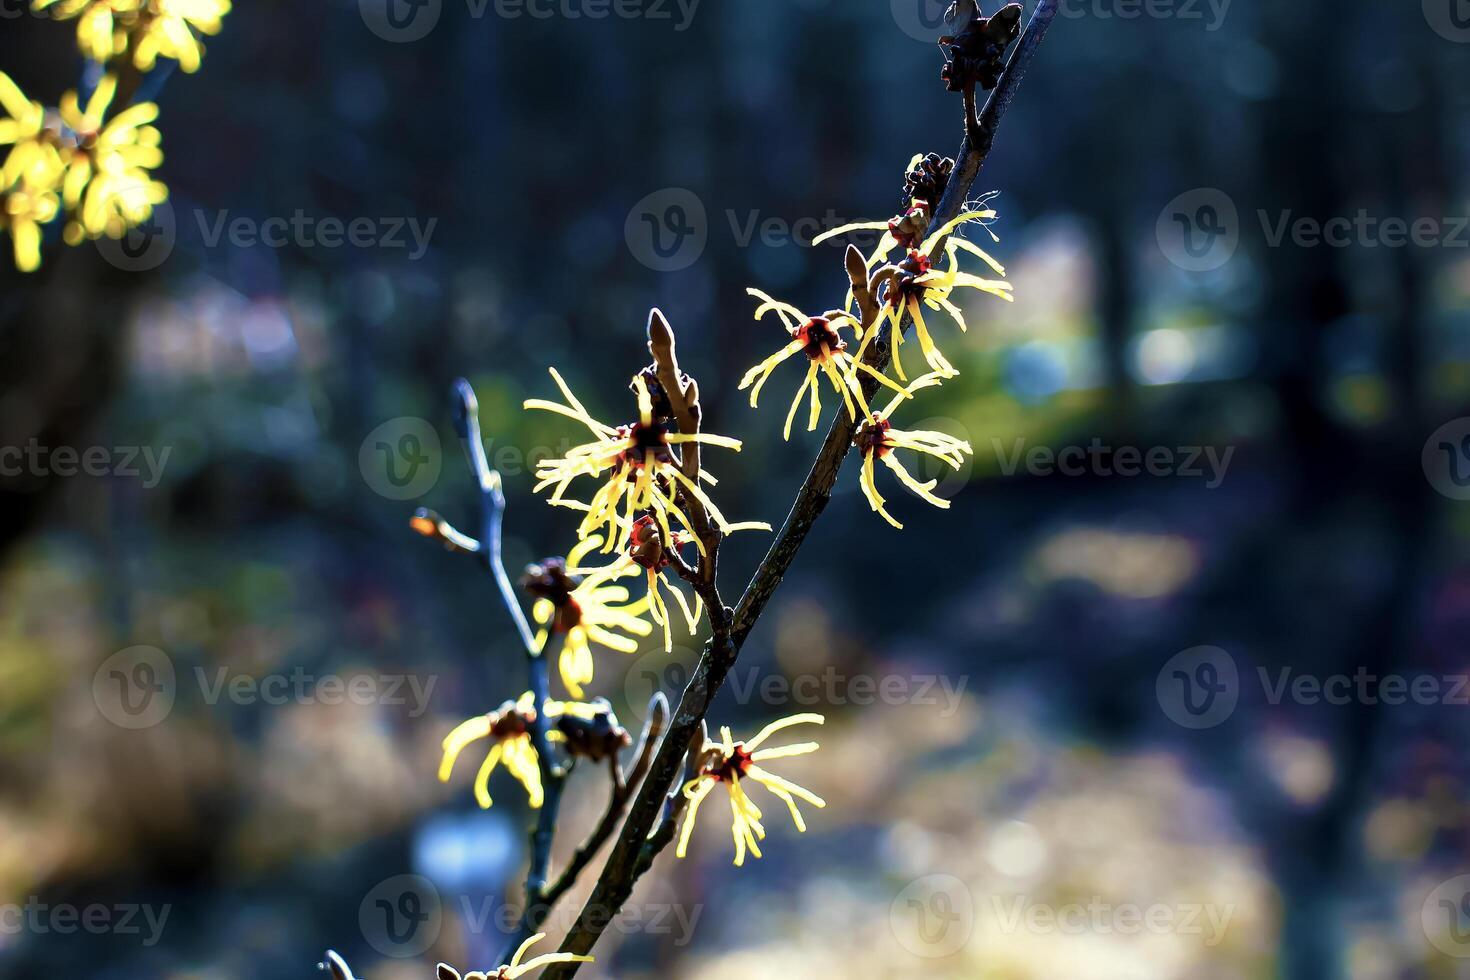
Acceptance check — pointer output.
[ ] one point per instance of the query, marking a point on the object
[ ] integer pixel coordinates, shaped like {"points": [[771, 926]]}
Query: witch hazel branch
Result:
{"points": [[646, 529]]}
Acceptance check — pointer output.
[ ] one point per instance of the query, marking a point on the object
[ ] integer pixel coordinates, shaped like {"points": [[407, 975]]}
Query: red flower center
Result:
{"points": [[815, 333], [737, 765], [871, 436], [510, 721], [907, 227], [911, 268], [568, 615], [644, 439]]}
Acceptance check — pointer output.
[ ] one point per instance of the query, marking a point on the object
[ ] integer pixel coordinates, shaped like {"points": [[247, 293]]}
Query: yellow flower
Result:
{"points": [[642, 470], [32, 155], [646, 550], [25, 211], [819, 339], [876, 439], [509, 729], [102, 25], [914, 283], [515, 967], [163, 28], [583, 611], [729, 762], [107, 177], [586, 728], [169, 31]]}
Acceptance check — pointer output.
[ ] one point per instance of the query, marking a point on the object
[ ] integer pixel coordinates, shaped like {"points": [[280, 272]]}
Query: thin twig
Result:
{"points": [[488, 550], [624, 783], [553, 779], [492, 506], [629, 857], [617, 804]]}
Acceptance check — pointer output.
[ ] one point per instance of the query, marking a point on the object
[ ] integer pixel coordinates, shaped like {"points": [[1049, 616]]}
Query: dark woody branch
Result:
{"points": [[640, 840]]}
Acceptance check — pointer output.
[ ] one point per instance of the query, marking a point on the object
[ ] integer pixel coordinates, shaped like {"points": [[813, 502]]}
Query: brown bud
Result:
{"points": [[597, 738], [857, 268], [976, 54]]}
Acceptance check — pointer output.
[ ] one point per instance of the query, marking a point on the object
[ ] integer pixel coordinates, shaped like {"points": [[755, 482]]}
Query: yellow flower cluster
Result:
{"points": [[508, 729], [904, 283], [89, 161], [144, 29], [728, 764], [646, 486], [638, 510]]}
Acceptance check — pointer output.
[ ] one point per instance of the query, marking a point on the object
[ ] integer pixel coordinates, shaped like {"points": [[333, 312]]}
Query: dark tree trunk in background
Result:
{"points": [[1325, 158]]}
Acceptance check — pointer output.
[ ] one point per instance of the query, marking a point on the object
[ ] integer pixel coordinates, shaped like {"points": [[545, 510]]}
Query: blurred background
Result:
{"points": [[1175, 689]]}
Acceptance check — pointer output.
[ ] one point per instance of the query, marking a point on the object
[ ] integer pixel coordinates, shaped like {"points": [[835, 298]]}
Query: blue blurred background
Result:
{"points": [[1039, 793]]}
